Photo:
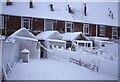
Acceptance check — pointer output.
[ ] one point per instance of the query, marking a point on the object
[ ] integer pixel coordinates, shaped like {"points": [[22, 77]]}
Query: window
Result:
{"points": [[26, 23], [115, 32], [69, 26], [48, 25], [86, 28], [88, 44], [81, 44], [102, 30], [1, 22]]}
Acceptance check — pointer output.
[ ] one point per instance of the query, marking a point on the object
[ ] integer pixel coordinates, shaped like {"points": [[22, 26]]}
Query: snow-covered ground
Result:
{"points": [[50, 69], [58, 67]]}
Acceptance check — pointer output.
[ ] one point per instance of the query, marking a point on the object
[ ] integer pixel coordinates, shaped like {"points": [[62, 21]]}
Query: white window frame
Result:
{"points": [[54, 21], [102, 30], [114, 29], [45, 24], [86, 28], [71, 26], [2, 22], [23, 21]]}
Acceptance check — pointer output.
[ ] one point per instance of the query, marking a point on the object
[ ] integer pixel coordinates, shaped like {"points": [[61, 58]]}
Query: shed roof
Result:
{"points": [[54, 40], [23, 32], [49, 35], [70, 36]]}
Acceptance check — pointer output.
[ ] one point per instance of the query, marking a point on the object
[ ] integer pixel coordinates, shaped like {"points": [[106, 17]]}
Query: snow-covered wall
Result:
{"points": [[97, 12], [30, 45], [106, 67], [10, 53]]}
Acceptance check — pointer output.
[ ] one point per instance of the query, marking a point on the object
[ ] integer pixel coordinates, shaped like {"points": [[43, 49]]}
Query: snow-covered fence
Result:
{"points": [[79, 58], [90, 66], [10, 54]]}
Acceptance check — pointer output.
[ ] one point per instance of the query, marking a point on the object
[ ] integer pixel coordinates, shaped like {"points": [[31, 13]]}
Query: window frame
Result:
{"points": [[114, 29], [2, 22], [68, 27], [24, 21], [102, 29], [45, 29], [86, 28]]}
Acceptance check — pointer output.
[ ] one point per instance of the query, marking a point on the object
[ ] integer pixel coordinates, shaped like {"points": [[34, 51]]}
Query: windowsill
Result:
{"points": [[86, 33], [102, 35]]}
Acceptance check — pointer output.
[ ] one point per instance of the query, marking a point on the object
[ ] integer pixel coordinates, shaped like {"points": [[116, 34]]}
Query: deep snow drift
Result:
{"points": [[58, 67]]}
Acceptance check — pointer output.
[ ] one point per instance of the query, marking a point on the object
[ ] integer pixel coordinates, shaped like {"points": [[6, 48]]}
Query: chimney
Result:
{"points": [[31, 4], [85, 9], [70, 10], [8, 2], [51, 7], [110, 14]]}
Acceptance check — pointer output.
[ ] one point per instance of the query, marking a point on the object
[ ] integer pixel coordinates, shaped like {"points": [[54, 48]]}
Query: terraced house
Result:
{"points": [[96, 19]]}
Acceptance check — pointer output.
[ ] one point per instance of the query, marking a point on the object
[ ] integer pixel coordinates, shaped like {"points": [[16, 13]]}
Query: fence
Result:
{"points": [[85, 64], [10, 55], [74, 57]]}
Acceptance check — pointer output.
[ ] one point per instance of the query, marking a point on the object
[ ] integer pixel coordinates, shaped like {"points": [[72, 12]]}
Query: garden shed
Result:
{"points": [[50, 40], [75, 37], [28, 41]]}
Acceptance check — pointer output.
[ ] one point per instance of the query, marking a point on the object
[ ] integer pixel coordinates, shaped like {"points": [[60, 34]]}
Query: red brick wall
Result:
{"points": [[92, 29], [13, 23], [119, 32], [37, 24], [78, 27], [109, 31], [60, 26]]}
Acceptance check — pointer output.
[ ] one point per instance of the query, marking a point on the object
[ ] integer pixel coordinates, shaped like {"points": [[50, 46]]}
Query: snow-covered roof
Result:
{"points": [[49, 35], [23, 32], [25, 51], [26, 38], [54, 40], [70, 36], [97, 12], [82, 41], [98, 38]]}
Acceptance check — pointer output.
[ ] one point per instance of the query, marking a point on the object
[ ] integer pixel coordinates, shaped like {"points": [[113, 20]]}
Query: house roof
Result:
{"points": [[23, 32], [97, 12], [49, 35], [70, 36]]}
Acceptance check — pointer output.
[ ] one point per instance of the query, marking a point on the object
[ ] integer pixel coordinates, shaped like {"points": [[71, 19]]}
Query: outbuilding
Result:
{"points": [[26, 40], [50, 40], [78, 38]]}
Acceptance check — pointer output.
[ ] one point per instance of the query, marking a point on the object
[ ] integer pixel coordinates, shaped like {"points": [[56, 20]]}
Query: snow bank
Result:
{"points": [[58, 67], [105, 66]]}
